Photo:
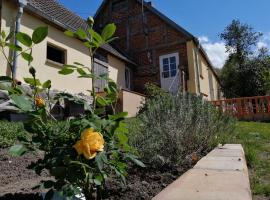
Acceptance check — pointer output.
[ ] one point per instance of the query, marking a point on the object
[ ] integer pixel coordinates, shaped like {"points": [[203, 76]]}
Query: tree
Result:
{"points": [[239, 39], [242, 74]]}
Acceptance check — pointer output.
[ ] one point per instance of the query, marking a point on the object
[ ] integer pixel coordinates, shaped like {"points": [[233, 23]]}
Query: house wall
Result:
{"points": [[203, 74], [117, 71], [131, 102], [161, 39], [75, 51]]}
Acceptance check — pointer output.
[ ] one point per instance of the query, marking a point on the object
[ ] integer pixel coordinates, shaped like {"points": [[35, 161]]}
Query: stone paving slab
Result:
{"points": [[200, 184], [222, 163], [221, 175]]}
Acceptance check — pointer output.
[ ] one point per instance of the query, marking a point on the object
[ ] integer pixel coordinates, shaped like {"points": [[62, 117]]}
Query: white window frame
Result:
{"points": [[176, 55]]}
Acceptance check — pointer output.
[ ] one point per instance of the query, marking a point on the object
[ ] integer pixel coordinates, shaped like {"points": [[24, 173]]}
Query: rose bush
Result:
{"points": [[82, 153]]}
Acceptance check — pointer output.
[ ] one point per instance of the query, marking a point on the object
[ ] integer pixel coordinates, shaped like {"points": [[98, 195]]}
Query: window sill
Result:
{"points": [[54, 64]]}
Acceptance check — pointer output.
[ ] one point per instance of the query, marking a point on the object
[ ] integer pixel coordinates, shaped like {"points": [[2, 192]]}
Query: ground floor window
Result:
{"points": [[128, 78], [100, 70], [56, 54]]}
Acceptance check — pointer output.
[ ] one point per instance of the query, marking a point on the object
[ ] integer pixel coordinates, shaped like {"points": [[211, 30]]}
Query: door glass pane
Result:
{"points": [[173, 66], [173, 73], [166, 74], [165, 61], [166, 68], [172, 59]]}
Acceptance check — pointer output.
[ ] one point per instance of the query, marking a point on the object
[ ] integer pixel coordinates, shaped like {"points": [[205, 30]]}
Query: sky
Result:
{"points": [[205, 19]]}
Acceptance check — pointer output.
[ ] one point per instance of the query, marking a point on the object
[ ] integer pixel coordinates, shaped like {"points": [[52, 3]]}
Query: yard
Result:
{"points": [[255, 137]]}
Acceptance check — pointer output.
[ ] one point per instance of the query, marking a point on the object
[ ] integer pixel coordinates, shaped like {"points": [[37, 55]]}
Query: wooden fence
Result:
{"points": [[246, 108]]}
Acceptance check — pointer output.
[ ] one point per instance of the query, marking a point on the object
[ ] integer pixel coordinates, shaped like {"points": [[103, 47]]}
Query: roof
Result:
{"points": [[65, 19], [171, 23]]}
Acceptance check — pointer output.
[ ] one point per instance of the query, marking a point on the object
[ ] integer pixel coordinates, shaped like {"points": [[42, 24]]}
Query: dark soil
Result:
{"points": [[143, 184], [16, 181], [15, 177]]}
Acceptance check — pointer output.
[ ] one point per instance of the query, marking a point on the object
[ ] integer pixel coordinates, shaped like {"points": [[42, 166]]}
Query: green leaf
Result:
{"points": [[10, 35], [81, 71], [70, 66], [66, 71], [69, 33], [111, 39], [88, 76], [17, 150], [24, 39], [14, 47], [80, 64], [22, 102], [101, 101], [135, 160], [3, 34], [118, 116], [32, 81], [108, 31], [5, 79], [47, 84], [81, 34], [96, 36], [39, 34], [47, 184], [26, 56]]}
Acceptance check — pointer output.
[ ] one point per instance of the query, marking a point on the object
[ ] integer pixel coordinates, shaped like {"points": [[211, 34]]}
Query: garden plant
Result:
{"points": [[81, 154]]}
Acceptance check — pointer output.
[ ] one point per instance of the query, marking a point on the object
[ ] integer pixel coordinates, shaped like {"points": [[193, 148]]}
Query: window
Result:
{"points": [[100, 70], [169, 67], [128, 78], [56, 54], [119, 5]]}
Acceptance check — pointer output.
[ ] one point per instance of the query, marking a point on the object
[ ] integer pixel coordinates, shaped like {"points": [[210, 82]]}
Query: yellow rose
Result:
{"points": [[39, 102], [91, 142]]}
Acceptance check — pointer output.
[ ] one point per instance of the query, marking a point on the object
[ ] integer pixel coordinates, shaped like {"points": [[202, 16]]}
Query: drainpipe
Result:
{"points": [[22, 4], [197, 68]]}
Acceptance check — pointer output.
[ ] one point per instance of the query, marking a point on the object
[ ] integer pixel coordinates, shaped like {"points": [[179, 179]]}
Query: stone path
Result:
{"points": [[221, 175]]}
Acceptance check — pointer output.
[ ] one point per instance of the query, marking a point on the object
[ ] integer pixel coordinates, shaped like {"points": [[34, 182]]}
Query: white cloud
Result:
{"points": [[261, 45], [264, 42], [216, 51]]}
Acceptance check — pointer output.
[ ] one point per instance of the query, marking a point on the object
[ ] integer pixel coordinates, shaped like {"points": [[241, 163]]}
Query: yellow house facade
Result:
{"points": [[58, 49]]}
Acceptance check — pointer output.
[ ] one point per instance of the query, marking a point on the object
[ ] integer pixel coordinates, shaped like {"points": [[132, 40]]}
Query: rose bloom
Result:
{"points": [[91, 142], [39, 102]]}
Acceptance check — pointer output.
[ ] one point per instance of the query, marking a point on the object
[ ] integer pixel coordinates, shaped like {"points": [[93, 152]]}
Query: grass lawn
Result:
{"points": [[255, 137]]}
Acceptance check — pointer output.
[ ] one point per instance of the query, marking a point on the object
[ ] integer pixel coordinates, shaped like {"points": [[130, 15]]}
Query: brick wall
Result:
{"points": [[144, 43]]}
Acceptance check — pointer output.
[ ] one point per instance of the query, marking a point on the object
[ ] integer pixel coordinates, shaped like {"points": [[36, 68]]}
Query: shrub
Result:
{"points": [[173, 128], [10, 131]]}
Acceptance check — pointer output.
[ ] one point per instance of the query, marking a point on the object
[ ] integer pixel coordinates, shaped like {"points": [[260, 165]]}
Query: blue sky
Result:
{"points": [[203, 18]]}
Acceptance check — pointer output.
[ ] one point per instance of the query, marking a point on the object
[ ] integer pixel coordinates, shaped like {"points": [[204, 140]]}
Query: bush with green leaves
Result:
{"points": [[172, 128], [10, 132], [81, 154]]}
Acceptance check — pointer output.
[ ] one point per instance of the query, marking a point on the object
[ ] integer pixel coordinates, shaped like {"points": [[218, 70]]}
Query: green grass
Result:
{"points": [[255, 138]]}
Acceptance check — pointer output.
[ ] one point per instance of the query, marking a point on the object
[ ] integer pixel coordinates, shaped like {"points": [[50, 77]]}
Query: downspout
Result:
{"points": [[22, 4], [197, 68]]}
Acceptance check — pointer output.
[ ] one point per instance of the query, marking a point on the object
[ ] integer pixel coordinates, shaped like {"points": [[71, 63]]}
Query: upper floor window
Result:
{"points": [[119, 5], [56, 54], [100, 70]]}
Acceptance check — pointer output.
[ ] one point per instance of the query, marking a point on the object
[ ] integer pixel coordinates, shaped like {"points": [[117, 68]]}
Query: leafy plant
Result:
{"points": [[81, 153], [173, 128], [10, 132]]}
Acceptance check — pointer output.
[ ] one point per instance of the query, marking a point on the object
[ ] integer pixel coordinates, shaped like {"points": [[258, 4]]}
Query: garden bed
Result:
{"points": [[16, 181]]}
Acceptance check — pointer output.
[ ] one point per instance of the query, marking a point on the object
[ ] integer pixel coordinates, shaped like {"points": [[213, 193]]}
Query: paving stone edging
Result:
{"points": [[221, 175]]}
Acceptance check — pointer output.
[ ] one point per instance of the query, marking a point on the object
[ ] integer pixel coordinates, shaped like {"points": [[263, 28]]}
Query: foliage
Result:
{"points": [[239, 39], [101, 138], [255, 137], [10, 132], [172, 128], [242, 74]]}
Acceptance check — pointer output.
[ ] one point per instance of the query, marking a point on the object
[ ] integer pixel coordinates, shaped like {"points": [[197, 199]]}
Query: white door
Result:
{"points": [[169, 72]]}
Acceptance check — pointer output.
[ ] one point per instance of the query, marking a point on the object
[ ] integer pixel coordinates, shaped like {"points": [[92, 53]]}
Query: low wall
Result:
{"points": [[131, 102], [221, 175]]}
